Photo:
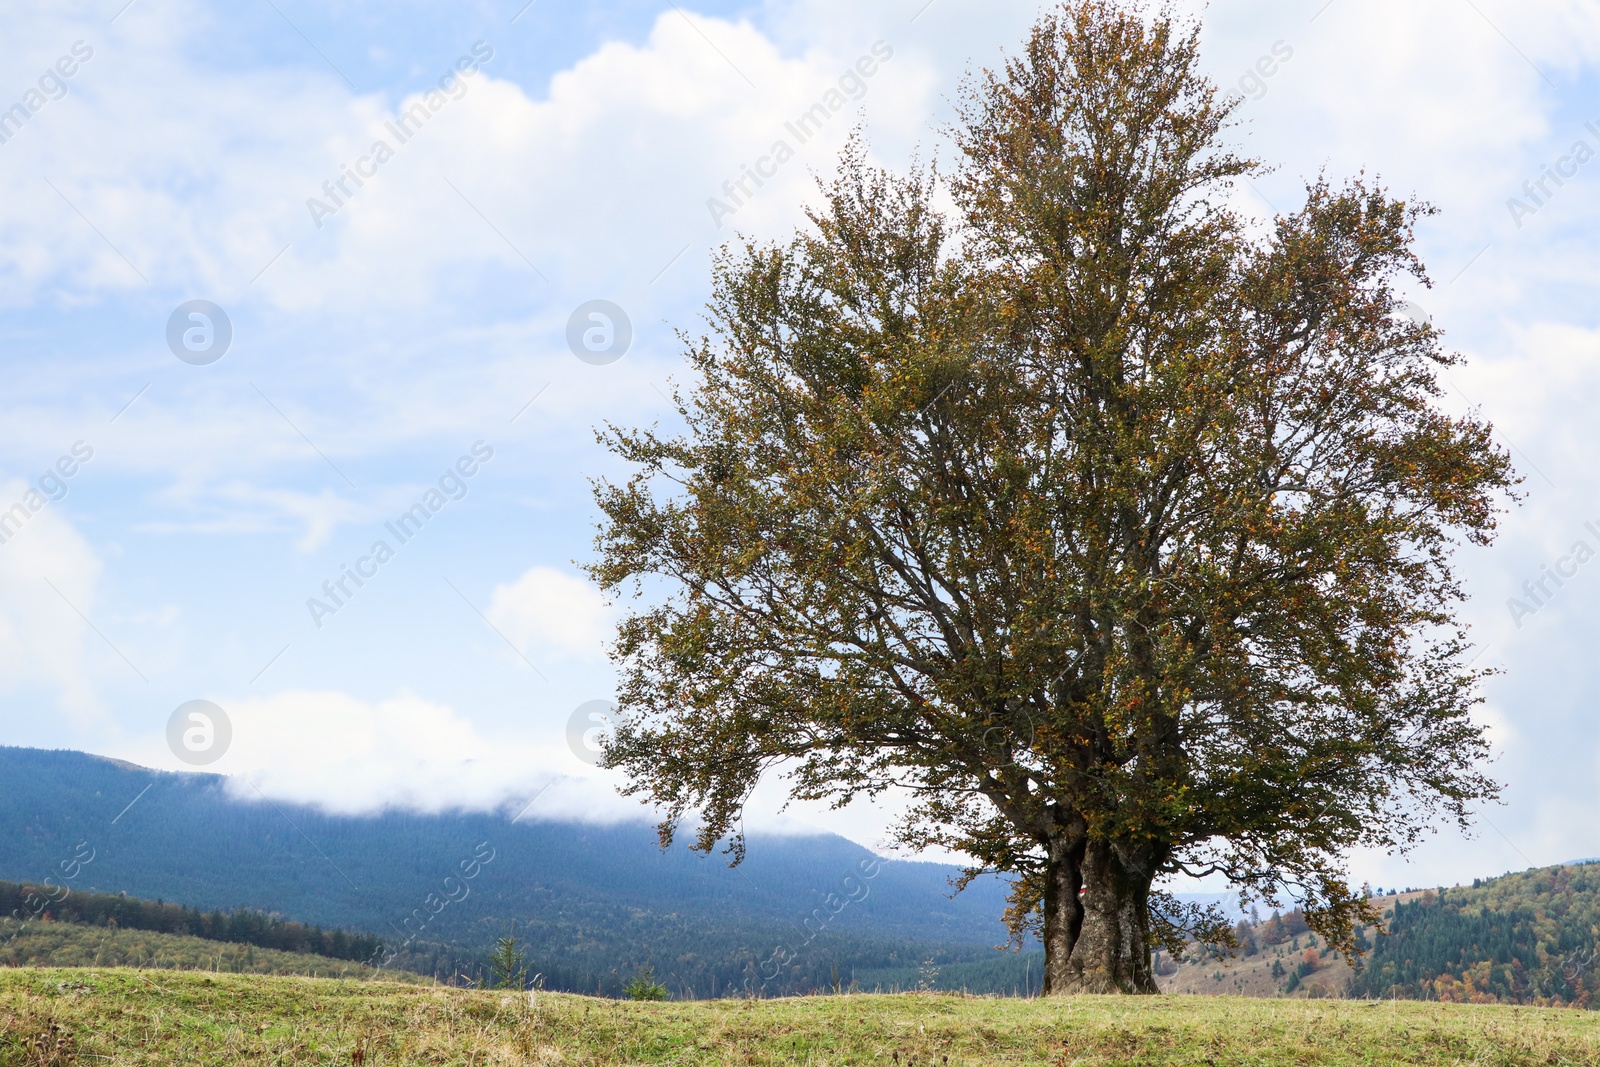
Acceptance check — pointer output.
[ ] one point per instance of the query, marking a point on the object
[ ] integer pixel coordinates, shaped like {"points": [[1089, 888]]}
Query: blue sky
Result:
{"points": [[429, 313]]}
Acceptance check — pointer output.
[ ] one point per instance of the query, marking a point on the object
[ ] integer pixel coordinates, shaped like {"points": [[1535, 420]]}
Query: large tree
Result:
{"points": [[1112, 526]]}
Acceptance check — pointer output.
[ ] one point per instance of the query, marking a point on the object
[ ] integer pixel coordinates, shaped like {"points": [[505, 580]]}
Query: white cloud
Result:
{"points": [[48, 575], [619, 157], [247, 509], [338, 752], [410, 314], [347, 755], [550, 609], [350, 755]]}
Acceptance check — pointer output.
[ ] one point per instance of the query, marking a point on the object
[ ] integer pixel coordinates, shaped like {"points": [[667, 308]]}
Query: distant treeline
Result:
{"points": [[242, 927]]}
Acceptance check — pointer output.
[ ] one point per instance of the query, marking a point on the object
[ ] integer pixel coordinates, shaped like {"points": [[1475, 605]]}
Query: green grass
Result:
{"points": [[177, 1019]]}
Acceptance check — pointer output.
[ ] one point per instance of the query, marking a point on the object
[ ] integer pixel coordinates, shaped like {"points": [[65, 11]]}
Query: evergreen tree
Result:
{"points": [[506, 967], [643, 986]]}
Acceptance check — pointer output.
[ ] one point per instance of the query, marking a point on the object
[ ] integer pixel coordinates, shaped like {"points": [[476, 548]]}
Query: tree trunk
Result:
{"points": [[1063, 913], [1099, 941]]}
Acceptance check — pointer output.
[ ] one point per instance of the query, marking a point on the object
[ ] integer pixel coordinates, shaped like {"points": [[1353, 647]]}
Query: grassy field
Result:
{"points": [[51, 1018]]}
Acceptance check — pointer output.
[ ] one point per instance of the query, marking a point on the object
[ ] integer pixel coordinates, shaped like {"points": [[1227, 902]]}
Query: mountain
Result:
{"points": [[594, 903]]}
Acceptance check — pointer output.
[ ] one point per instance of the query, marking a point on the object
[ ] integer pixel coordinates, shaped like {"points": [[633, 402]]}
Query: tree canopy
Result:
{"points": [[1113, 526]]}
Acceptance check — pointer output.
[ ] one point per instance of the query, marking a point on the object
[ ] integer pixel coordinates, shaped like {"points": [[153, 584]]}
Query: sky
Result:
{"points": [[240, 341]]}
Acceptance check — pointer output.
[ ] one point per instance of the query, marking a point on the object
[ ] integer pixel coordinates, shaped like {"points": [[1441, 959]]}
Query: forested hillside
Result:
{"points": [[595, 903], [1526, 938], [55, 903], [60, 944]]}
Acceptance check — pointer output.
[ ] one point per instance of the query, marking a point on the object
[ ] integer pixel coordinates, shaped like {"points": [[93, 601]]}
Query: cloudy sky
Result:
{"points": [[400, 317]]}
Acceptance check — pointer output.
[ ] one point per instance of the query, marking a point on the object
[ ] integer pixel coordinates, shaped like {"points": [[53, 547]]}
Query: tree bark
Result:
{"points": [[1063, 912], [1107, 948]]}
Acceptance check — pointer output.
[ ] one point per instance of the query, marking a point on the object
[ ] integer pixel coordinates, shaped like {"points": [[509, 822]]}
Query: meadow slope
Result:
{"points": [[56, 944], [121, 1017]]}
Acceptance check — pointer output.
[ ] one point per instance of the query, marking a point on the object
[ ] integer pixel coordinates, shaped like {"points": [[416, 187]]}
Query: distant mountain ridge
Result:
{"points": [[594, 902]]}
